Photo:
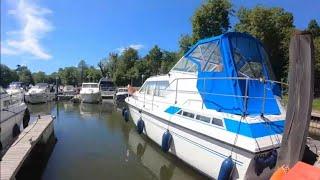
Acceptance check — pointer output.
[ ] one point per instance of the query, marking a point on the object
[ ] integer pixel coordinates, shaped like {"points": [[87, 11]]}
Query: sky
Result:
{"points": [[47, 35]]}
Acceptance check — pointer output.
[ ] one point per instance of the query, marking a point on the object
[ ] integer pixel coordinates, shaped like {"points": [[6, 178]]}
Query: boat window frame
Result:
{"points": [[210, 123]]}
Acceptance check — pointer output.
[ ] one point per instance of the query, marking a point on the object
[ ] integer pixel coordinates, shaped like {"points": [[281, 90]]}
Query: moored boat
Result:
{"points": [[14, 112], [107, 88], [16, 90], [218, 109], [90, 93], [120, 95], [40, 93]]}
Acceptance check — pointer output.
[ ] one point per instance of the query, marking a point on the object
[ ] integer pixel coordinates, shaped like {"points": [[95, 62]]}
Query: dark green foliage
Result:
{"points": [[185, 43], [39, 77], [314, 28], [7, 75], [273, 26], [211, 19], [25, 75]]}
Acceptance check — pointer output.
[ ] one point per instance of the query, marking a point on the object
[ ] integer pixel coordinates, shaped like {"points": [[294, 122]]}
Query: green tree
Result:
{"points": [[7, 75], [169, 59], [39, 77], [211, 19], [92, 74], [25, 75], [82, 67], [69, 75], [273, 26], [154, 58], [185, 43], [314, 28]]}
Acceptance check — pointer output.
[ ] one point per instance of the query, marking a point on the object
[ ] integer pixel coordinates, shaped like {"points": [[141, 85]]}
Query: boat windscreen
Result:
{"points": [[89, 85], [106, 84], [249, 58]]}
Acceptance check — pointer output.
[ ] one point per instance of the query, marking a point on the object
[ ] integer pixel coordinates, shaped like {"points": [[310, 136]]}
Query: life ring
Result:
{"points": [[26, 118], [140, 126], [166, 141], [15, 130]]}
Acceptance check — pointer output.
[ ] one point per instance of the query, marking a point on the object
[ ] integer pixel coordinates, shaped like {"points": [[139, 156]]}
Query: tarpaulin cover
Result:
{"points": [[241, 55]]}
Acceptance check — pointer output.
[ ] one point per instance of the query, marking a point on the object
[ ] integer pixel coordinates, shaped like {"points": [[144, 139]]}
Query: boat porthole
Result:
{"points": [[140, 126], [15, 130], [166, 141]]}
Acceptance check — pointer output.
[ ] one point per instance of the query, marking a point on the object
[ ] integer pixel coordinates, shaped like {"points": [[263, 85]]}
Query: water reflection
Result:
{"points": [[94, 142]]}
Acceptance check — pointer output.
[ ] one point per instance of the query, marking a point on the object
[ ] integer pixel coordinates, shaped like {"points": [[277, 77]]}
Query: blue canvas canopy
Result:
{"points": [[224, 64]]}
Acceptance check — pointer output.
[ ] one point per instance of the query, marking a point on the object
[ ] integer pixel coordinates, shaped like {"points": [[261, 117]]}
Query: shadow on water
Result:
{"points": [[34, 165], [94, 142]]}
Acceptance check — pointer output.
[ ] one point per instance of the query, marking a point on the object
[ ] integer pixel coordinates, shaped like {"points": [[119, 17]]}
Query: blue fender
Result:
{"points": [[140, 126], [123, 110], [126, 115], [226, 169], [166, 141]]}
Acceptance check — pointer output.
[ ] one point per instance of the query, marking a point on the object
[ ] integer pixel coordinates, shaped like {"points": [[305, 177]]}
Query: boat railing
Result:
{"points": [[175, 87]]}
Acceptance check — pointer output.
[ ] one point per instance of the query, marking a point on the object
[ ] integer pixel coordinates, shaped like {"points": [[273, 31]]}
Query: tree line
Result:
{"points": [[273, 26]]}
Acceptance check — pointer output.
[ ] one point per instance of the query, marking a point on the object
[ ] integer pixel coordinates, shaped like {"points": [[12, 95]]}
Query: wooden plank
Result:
{"points": [[299, 108], [21, 148]]}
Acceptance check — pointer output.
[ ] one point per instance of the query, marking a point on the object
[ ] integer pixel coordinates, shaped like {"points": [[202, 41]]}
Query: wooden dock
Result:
{"points": [[38, 131]]}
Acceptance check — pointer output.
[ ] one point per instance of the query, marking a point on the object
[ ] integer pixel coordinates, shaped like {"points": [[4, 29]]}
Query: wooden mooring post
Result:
{"points": [[301, 55]]}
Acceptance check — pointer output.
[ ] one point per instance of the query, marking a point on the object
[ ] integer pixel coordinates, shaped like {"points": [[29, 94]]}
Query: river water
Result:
{"points": [[94, 142]]}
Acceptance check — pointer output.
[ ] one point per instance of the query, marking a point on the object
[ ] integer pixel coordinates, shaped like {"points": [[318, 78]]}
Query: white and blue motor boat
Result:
{"points": [[218, 109]]}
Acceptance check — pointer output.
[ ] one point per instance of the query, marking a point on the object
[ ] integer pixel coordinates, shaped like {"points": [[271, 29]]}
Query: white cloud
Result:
{"points": [[34, 26], [133, 46]]}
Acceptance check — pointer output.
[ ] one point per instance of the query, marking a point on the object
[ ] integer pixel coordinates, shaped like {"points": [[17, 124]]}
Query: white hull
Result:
{"points": [[8, 120], [107, 94], [90, 97], [201, 152], [39, 98]]}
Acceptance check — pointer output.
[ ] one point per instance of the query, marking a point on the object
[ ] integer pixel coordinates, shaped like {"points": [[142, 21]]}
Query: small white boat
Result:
{"points": [[90, 93], [121, 94], [107, 88], [218, 109], [16, 90], [40, 93], [68, 92], [13, 113]]}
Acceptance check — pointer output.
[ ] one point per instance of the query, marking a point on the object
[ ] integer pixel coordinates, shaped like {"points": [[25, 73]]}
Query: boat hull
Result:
{"points": [[91, 97], [107, 94], [39, 98], [8, 121], [201, 152]]}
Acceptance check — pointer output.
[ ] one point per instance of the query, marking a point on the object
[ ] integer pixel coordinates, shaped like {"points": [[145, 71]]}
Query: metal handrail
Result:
{"points": [[245, 96]]}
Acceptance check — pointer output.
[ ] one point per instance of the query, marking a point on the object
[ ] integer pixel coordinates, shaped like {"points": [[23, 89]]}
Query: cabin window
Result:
{"points": [[188, 114], [203, 118], [247, 58], [217, 122], [185, 65], [210, 56], [180, 112], [161, 88]]}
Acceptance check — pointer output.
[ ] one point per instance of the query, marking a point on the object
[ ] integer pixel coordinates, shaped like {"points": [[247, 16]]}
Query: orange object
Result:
{"points": [[303, 171], [279, 173]]}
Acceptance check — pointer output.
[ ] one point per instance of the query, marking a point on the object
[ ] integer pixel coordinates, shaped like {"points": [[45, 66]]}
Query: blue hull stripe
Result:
{"points": [[172, 110], [255, 130]]}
